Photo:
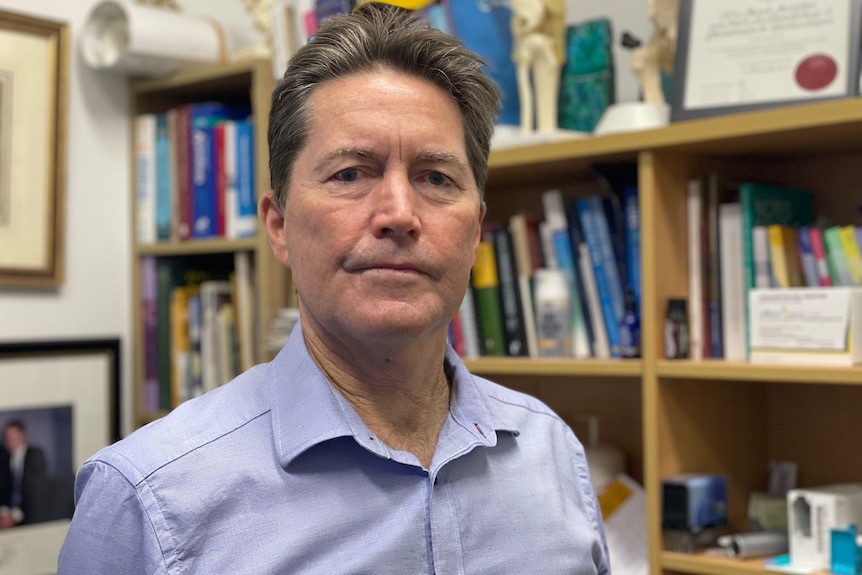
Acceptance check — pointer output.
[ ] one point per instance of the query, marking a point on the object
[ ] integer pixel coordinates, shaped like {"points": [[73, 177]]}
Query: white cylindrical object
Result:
{"points": [[147, 41], [744, 545], [553, 315]]}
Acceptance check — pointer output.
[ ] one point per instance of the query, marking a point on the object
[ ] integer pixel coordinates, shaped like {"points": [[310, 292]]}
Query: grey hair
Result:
{"points": [[380, 36]]}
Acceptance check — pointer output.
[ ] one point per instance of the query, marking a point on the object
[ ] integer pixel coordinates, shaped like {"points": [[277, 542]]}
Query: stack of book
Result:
{"points": [[593, 243], [754, 235], [198, 324], [195, 173]]}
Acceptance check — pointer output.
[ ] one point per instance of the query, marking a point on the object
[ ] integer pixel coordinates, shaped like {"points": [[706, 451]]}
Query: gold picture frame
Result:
{"points": [[33, 106]]}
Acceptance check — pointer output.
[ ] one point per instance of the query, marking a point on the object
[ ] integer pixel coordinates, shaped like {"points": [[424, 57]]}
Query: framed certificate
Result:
{"points": [[738, 55]]}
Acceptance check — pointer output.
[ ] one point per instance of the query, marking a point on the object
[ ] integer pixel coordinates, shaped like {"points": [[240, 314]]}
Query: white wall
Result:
{"points": [[95, 299]]}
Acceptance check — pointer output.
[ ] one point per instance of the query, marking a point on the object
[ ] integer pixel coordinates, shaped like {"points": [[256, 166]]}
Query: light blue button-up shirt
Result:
{"points": [[275, 473]]}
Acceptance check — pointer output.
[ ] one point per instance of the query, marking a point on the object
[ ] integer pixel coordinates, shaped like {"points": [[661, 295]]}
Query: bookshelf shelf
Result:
{"points": [[205, 246], [542, 367], [702, 564], [744, 371]]}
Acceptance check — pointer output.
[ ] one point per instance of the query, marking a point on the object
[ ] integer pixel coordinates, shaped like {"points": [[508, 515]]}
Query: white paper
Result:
{"points": [[624, 509], [749, 52]]}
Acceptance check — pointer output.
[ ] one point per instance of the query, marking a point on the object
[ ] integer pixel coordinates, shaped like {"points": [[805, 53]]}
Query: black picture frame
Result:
{"points": [[67, 394], [683, 58]]}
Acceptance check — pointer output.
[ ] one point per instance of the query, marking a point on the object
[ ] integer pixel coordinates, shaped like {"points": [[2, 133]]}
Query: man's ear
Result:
{"points": [[478, 238], [272, 218]]}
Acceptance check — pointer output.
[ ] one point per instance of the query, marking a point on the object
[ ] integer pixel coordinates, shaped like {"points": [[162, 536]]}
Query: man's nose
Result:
{"points": [[395, 206]]}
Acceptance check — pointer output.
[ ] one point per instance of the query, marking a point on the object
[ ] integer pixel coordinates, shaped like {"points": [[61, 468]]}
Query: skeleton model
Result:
{"points": [[538, 30], [658, 54], [261, 14]]}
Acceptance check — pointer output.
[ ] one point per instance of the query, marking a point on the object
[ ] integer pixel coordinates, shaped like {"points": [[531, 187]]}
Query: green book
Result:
{"points": [[486, 298]]}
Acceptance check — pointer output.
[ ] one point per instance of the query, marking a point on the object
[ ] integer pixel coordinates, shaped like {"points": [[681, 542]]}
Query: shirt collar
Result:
{"points": [[307, 410]]}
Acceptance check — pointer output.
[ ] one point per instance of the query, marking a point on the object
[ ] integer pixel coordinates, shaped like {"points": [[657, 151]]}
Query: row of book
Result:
{"points": [[194, 168], [753, 235], [592, 244], [198, 326]]}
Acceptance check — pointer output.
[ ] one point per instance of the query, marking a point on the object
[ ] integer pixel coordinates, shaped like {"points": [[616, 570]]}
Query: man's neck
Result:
{"points": [[404, 402]]}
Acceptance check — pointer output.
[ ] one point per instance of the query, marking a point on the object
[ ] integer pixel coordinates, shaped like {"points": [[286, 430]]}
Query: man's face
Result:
{"points": [[382, 216], [12, 438]]}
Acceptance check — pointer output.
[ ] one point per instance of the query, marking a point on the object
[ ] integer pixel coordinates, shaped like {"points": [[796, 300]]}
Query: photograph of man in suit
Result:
{"points": [[23, 476]]}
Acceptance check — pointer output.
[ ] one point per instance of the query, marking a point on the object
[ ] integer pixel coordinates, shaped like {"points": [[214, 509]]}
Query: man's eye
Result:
{"points": [[437, 179], [347, 175]]}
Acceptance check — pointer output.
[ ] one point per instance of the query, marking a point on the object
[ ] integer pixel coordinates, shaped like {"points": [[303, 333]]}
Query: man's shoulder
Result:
{"points": [[513, 401], [193, 424]]}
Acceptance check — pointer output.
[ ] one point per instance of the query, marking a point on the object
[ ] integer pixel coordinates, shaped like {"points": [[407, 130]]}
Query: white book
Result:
{"points": [[732, 280], [694, 226], [526, 292], [468, 326], [214, 293], [601, 347], [231, 192], [760, 250], [145, 178]]}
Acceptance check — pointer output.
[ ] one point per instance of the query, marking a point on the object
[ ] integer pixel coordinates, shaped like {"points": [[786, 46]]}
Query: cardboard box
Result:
{"points": [[813, 513], [812, 326]]}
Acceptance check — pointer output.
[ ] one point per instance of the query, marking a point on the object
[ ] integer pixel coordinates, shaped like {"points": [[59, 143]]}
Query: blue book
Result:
{"points": [[485, 28], [247, 203], [595, 229], [164, 179], [632, 222], [203, 118], [576, 239], [806, 257]]}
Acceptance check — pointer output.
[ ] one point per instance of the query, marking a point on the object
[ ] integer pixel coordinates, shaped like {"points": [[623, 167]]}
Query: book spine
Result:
{"points": [[513, 319], [818, 249], [601, 347], [245, 309], [245, 182], [169, 275], [806, 256], [179, 313], [694, 223], [732, 281], [590, 213], [526, 291], [145, 182], [486, 295], [220, 177], [469, 326], [714, 269], [164, 183], [778, 256], [631, 209], [836, 257], [847, 236], [183, 184], [762, 259], [150, 335], [204, 207]]}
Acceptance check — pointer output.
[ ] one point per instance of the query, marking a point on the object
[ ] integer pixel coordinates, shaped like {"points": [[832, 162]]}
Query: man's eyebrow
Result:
{"points": [[441, 157], [340, 153]]}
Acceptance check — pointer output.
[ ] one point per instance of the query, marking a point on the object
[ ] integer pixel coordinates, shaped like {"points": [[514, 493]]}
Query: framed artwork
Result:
{"points": [[33, 101], [740, 55], [62, 398]]}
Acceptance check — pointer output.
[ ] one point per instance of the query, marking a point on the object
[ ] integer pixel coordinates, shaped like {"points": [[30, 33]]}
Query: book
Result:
{"points": [[145, 178], [558, 227], [510, 296], [694, 233], [469, 326], [839, 268], [601, 347], [150, 335], [242, 214], [169, 275], [203, 118], [214, 294], [164, 180], [182, 172], [806, 257], [245, 309], [762, 257], [762, 205], [784, 256], [595, 230], [732, 281], [526, 243], [713, 268], [181, 389], [847, 236], [631, 211], [486, 299], [818, 249]]}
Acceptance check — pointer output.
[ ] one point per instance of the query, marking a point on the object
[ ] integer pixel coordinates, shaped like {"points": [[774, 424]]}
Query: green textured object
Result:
{"points": [[587, 82]]}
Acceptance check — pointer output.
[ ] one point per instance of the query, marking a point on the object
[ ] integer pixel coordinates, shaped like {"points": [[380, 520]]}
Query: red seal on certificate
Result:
{"points": [[816, 72]]}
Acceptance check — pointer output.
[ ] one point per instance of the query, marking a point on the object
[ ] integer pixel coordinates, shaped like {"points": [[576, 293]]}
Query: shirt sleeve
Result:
{"points": [[600, 554], [110, 531]]}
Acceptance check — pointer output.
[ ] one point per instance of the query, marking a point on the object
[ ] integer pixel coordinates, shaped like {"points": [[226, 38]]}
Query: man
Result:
{"points": [[23, 473], [365, 446]]}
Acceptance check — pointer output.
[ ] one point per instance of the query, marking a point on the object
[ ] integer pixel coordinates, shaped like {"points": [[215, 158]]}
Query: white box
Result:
{"points": [[812, 326], [811, 513]]}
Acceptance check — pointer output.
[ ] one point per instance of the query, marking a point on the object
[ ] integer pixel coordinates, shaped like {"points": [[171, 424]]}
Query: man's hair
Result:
{"points": [[379, 37], [16, 423]]}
